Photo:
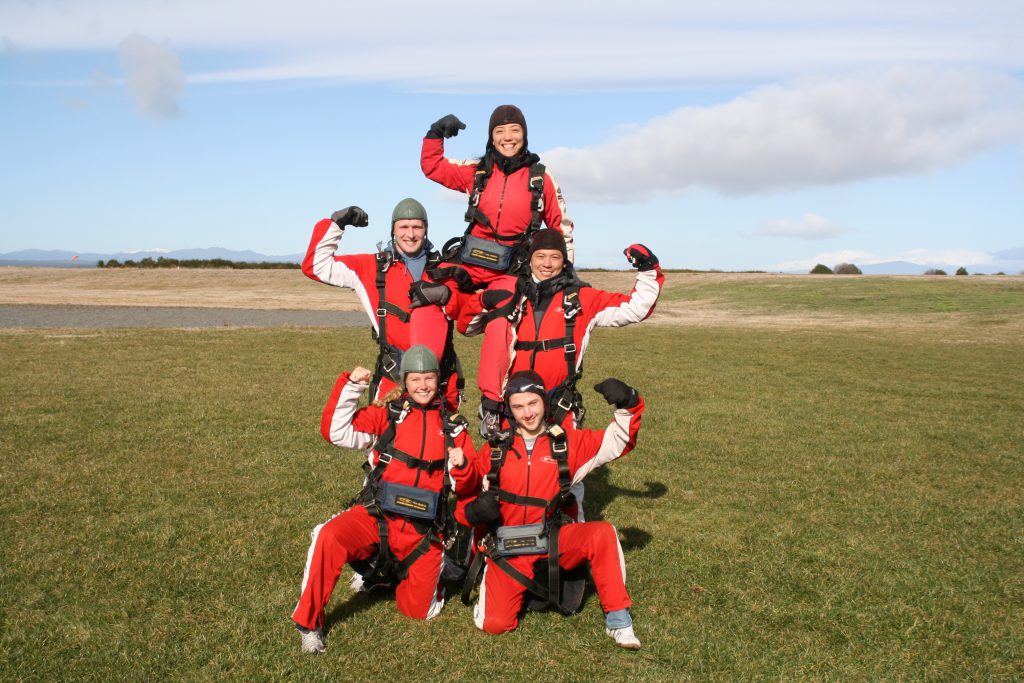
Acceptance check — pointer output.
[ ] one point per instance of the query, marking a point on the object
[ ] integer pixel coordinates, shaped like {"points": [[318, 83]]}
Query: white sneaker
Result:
{"points": [[312, 640], [624, 637]]}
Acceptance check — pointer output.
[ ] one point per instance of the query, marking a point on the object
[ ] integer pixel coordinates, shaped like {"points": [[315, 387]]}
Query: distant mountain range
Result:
{"points": [[60, 258]]}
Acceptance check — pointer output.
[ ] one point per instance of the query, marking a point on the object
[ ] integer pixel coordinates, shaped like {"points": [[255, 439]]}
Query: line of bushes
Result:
{"points": [[840, 269], [162, 262]]}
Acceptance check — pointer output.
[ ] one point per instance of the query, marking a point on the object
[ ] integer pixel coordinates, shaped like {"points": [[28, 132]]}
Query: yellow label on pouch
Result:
{"points": [[411, 503], [484, 255]]}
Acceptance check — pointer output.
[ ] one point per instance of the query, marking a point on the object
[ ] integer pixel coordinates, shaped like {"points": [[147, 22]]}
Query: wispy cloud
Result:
{"points": [[815, 132], [154, 76], [578, 44], [812, 227]]}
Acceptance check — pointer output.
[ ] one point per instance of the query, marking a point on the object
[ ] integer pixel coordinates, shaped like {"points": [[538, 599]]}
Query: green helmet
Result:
{"points": [[419, 359], [408, 209]]}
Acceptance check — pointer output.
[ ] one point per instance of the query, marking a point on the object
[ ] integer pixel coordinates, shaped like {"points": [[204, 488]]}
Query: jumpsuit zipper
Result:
{"points": [[501, 203]]}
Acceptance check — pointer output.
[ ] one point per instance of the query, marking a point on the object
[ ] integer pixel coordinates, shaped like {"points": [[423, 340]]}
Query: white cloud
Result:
{"points": [[812, 227], [154, 76], [576, 44], [816, 132]]}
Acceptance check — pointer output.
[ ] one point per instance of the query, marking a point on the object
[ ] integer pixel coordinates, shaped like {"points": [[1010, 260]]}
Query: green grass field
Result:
{"points": [[806, 504]]}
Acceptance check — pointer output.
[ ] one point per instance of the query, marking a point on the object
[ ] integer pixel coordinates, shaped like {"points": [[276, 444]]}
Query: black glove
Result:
{"points": [[484, 510], [494, 298], [446, 127], [640, 257], [424, 293], [618, 393], [352, 215]]}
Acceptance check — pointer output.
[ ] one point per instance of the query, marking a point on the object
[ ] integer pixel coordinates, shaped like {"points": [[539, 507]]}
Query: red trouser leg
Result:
{"points": [[351, 535], [598, 544], [420, 594], [496, 351], [501, 596], [428, 326]]}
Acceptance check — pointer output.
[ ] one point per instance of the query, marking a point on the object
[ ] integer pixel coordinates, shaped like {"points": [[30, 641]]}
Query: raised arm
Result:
{"points": [[321, 263], [594, 448], [455, 175], [618, 310], [343, 423]]}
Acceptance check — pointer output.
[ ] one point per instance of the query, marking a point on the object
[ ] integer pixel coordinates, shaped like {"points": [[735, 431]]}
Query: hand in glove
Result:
{"points": [[446, 127], [618, 393], [423, 293], [493, 298], [640, 257], [352, 215], [484, 510]]}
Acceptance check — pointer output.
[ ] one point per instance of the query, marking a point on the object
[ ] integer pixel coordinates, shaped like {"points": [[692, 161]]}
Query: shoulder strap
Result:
{"points": [[537, 172]]}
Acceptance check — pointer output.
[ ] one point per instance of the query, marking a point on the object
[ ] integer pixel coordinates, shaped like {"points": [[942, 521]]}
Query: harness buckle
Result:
{"points": [[384, 458], [570, 347], [389, 363], [564, 402], [381, 312]]}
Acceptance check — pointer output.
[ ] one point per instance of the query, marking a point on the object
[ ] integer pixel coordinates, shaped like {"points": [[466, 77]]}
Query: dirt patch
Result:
{"points": [[185, 287]]}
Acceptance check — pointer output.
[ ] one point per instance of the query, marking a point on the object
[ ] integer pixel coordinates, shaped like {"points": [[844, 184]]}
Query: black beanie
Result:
{"points": [[507, 113], [548, 239], [525, 382]]}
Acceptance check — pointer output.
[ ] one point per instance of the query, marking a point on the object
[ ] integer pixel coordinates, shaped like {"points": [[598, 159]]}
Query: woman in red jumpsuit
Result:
{"points": [[416, 447], [500, 215]]}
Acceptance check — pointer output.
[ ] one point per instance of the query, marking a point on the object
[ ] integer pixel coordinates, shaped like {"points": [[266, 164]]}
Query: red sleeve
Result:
{"points": [[440, 169], [467, 477]]}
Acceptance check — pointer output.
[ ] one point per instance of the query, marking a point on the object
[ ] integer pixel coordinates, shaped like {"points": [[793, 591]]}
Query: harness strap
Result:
{"points": [[552, 592], [535, 183], [547, 345], [428, 466]]}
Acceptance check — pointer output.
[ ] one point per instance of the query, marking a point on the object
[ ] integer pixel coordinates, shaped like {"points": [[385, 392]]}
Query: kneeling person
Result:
{"points": [[523, 502], [396, 524]]}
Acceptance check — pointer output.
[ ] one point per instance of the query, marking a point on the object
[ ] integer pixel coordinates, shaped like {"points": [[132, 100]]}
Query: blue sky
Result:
{"points": [[729, 137]]}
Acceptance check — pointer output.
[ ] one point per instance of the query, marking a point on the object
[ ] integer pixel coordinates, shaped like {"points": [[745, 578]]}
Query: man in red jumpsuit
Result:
{"points": [[397, 519], [525, 487], [393, 270], [542, 307]]}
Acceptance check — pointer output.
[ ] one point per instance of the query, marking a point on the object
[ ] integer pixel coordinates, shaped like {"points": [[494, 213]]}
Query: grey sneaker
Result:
{"points": [[312, 640], [624, 637]]}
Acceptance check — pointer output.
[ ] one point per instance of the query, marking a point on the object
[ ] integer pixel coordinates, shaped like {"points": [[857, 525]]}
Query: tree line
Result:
{"points": [[163, 262]]}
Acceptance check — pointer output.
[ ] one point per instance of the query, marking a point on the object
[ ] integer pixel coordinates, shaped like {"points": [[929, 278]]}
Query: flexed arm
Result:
{"points": [[320, 263], [342, 422], [619, 438], [617, 310]]}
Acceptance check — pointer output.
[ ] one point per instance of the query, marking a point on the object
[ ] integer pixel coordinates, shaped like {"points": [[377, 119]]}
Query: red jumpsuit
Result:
{"points": [[535, 474], [506, 201], [359, 272], [353, 534], [599, 309]]}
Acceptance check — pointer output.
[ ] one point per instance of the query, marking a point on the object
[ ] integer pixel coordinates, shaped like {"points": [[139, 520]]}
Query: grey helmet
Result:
{"points": [[419, 358], [408, 209]]}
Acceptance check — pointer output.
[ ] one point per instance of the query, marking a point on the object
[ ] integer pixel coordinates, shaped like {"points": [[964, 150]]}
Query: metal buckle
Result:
{"points": [[561, 403], [389, 368], [570, 348], [384, 458]]}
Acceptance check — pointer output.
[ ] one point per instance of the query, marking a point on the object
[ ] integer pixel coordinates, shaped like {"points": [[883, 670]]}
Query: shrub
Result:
{"points": [[961, 271], [847, 269], [935, 271], [821, 269]]}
